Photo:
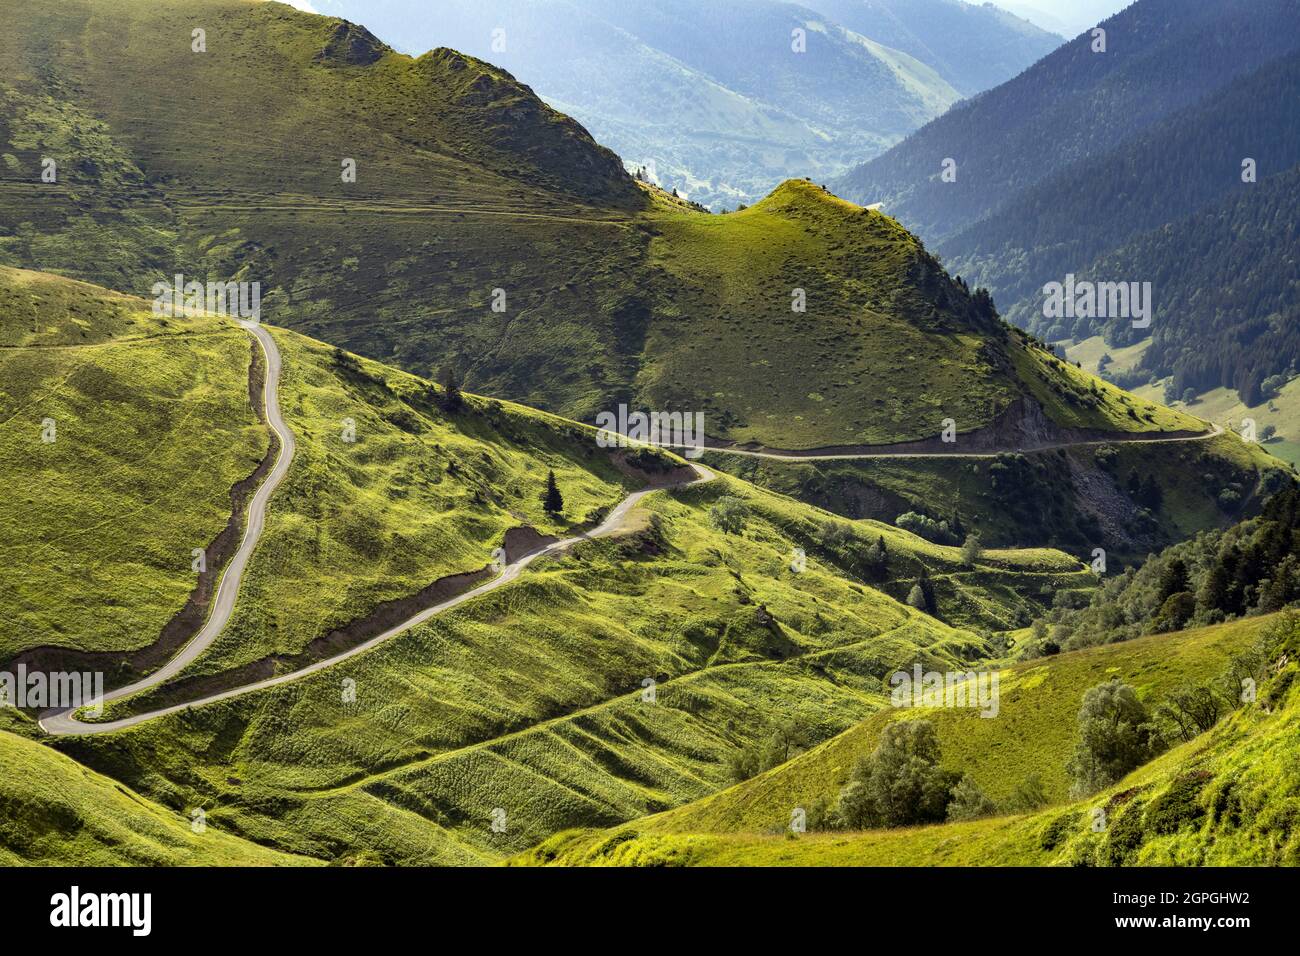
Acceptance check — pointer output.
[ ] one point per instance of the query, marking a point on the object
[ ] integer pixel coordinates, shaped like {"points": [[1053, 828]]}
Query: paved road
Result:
{"points": [[223, 605], [63, 722], [1214, 432]]}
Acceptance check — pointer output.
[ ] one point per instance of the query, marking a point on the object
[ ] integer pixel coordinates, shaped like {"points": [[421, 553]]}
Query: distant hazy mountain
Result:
{"points": [[972, 47], [1066, 17], [1080, 164], [711, 95], [1161, 56]]}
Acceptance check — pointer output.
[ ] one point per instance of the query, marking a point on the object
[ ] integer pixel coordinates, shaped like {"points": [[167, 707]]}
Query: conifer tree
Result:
{"points": [[552, 500]]}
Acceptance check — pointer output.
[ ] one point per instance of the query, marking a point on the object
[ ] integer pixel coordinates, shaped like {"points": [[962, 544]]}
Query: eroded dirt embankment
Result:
{"points": [[120, 667], [384, 616], [1022, 426], [518, 543]]}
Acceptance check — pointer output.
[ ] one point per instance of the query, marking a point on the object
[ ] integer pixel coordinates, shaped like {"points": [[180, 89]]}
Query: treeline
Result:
{"points": [[904, 782], [1251, 568], [1189, 162], [1227, 288]]}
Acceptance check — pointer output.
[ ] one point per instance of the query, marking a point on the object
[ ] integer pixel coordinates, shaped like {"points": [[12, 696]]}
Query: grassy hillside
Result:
{"points": [[857, 269], [720, 126], [626, 677], [1032, 734], [420, 494], [530, 699], [1077, 497], [736, 637], [1216, 800], [1003, 590], [59, 813], [1223, 405], [467, 184], [1282, 411], [153, 427]]}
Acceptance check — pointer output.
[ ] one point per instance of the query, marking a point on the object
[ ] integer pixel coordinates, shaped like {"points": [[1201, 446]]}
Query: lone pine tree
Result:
{"points": [[552, 500], [450, 382]]}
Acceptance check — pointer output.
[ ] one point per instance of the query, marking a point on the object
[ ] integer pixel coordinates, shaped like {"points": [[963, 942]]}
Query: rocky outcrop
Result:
{"points": [[350, 44]]}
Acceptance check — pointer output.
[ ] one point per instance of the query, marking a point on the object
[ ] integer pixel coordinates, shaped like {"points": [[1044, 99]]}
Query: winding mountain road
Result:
{"points": [[1120, 438], [61, 722], [223, 604]]}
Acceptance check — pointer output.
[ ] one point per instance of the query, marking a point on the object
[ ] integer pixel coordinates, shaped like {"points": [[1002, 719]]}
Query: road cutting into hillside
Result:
{"points": [[64, 722], [223, 603], [61, 722], [1121, 438]]}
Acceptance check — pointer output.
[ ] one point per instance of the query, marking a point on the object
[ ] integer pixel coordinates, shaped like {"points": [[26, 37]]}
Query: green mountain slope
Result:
{"points": [[617, 679], [719, 126], [59, 813], [531, 699], [1192, 805], [154, 441], [471, 193], [158, 446], [1215, 800], [462, 714], [1033, 732]]}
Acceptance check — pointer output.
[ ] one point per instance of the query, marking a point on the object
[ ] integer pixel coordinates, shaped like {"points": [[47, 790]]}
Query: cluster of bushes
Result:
{"points": [[902, 783], [921, 596], [1118, 733], [450, 398], [1272, 386], [729, 514], [649, 460], [788, 739], [1145, 490], [871, 562], [923, 526], [1251, 568]]}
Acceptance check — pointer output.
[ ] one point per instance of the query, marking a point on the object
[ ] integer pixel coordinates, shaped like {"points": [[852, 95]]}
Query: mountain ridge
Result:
{"points": [[483, 232]]}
